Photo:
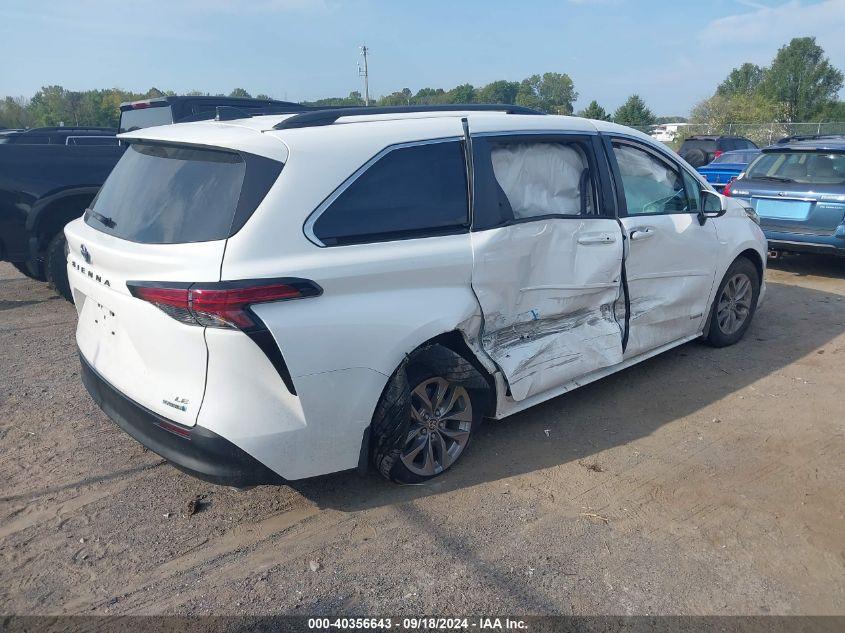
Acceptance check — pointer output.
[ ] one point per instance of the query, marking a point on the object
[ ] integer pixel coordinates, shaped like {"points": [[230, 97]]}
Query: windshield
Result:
{"points": [[145, 117], [801, 167], [161, 194]]}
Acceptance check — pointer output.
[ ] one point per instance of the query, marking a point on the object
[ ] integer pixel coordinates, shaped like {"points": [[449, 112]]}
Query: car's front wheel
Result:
{"points": [[735, 304]]}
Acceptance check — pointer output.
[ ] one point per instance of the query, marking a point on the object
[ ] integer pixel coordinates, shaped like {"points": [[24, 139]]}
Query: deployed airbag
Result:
{"points": [[540, 178]]}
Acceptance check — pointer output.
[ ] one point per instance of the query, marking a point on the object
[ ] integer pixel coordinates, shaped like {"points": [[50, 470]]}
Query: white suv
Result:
{"points": [[278, 297]]}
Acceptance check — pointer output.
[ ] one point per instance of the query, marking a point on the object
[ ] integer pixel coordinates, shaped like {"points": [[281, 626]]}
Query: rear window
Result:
{"points": [[704, 145], [800, 167], [145, 117], [160, 194]]}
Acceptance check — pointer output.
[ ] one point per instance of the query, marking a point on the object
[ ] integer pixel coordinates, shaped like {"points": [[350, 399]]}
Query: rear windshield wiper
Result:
{"points": [[102, 219]]}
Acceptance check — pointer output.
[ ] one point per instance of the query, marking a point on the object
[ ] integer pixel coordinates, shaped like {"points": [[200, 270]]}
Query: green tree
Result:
{"points": [[500, 91], [240, 92], [634, 112], [354, 99], [14, 113], [833, 111], [720, 110], [594, 111], [743, 80], [551, 92], [428, 96], [263, 97], [802, 78], [400, 97], [465, 93]]}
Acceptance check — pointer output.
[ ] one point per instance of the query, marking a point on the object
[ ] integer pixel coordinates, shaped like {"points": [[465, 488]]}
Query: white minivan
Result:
{"points": [[271, 298]]}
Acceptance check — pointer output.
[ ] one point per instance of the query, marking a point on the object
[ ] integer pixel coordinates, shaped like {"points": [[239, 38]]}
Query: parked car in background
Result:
{"points": [[666, 132], [312, 292], [699, 150], [61, 135], [797, 189], [136, 115], [727, 166], [49, 176]]}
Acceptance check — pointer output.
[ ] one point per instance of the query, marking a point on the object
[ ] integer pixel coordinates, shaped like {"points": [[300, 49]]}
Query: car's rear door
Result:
{"points": [[547, 259], [161, 218], [671, 260]]}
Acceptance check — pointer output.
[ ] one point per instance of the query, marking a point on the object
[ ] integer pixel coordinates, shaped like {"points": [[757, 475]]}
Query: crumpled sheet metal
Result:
{"points": [[538, 334]]}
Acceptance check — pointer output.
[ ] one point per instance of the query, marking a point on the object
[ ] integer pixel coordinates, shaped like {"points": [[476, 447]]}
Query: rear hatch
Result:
{"points": [[800, 192], [162, 217]]}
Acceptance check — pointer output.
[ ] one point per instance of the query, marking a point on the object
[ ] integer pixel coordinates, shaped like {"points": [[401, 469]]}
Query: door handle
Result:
{"points": [[642, 233], [597, 238]]}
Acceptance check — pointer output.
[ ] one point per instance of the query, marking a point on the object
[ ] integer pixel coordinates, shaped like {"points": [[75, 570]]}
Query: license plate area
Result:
{"points": [[782, 209]]}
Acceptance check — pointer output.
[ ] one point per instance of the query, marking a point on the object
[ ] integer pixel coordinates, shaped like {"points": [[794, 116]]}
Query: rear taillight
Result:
{"points": [[727, 190], [221, 305], [717, 153]]}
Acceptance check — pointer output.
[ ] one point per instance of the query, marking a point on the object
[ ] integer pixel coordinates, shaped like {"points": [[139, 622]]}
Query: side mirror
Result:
{"points": [[712, 206]]}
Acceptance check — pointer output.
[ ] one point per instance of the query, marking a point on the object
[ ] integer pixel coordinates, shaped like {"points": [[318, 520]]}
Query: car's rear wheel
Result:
{"points": [[55, 262], [426, 416], [24, 269], [735, 304]]}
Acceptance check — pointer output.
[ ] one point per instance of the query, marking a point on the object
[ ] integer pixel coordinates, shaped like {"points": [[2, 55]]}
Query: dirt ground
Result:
{"points": [[703, 481]]}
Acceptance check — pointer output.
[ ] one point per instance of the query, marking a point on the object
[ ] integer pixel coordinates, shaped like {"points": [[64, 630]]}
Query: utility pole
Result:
{"points": [[365, 73]]}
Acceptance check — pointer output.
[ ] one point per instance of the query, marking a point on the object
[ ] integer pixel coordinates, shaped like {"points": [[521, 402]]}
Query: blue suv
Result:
{"points": [[798, 190]]}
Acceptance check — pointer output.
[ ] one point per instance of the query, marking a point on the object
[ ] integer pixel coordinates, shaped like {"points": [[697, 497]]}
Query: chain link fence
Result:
{"points": [[761, 133]]}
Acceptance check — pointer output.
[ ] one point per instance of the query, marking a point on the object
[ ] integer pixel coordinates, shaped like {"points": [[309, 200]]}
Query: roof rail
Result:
{"points": [[808, 137], [327, 116], [67, 128], [231, 113]]}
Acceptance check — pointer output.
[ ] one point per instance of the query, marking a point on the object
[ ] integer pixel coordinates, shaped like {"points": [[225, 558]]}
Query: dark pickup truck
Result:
{"points": [[49, 176]]}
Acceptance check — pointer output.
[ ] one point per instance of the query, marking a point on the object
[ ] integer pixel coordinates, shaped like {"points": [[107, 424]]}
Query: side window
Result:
{"points": [[412, 191], [651, 185], [544, 178], [693, 188]]}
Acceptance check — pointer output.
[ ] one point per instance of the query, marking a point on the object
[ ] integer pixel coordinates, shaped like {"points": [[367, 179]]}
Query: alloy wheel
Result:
{"points": [[734, 303], [441, 421]]}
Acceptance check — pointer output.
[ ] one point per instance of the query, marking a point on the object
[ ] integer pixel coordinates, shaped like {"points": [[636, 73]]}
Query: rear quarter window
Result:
{"points": [[415, 191]]}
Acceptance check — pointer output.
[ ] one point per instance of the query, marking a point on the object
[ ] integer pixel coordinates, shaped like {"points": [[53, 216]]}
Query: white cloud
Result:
{"points": [[777, 25]]}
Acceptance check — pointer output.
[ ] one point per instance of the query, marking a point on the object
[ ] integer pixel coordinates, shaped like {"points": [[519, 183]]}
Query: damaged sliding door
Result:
{"points": [[547, 259]]}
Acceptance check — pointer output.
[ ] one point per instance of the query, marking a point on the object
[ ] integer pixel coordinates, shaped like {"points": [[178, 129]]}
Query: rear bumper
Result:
{"points": [[195, 450], [800, 243]]}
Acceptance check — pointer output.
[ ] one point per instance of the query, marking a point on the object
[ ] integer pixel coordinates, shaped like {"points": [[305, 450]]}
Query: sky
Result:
{"points": [[671, 53]]}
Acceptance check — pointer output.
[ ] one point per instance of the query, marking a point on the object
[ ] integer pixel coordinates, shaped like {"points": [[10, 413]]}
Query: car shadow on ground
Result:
{"points": [[805, 264], [792, 323]]}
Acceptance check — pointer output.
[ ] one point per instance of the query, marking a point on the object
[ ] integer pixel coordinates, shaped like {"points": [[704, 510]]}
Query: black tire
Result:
{"points": [[718, 335], [55, 262], [695, 157], [393, 421], [24, 269]]}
